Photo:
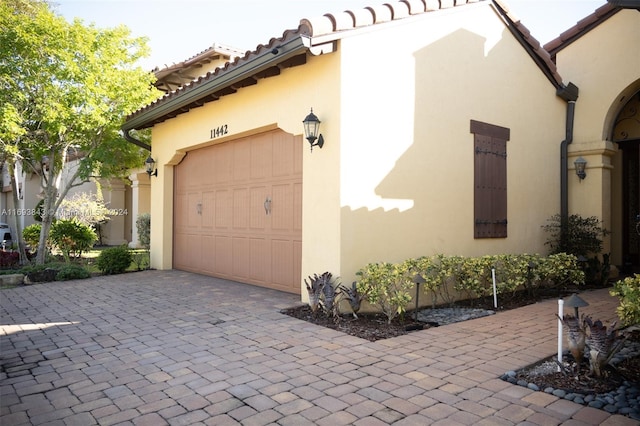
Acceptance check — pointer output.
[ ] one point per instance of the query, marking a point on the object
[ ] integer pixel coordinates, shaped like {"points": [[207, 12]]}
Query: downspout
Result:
{"points": [[129, 138], [569, 94]]}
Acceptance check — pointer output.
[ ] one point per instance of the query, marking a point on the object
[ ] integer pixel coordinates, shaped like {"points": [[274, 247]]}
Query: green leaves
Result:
{"points": [[72, 237], [452, 278], [387, 285], [65, 90], [580, 236], [628, 291]]}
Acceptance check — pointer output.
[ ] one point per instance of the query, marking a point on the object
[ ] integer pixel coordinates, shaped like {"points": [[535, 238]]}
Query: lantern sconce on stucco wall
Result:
{"points": [[312, 130], [150, 165], [580, 164]]}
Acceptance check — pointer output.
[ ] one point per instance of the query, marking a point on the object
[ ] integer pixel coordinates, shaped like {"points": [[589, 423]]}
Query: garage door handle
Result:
{"points": [[267, 206]]}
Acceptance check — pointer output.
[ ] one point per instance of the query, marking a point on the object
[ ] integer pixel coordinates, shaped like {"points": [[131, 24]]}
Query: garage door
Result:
{"points": [[238, 211]]}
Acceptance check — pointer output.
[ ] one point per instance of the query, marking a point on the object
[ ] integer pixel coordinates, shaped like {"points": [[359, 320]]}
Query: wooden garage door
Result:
{"points": [[238, 211]]}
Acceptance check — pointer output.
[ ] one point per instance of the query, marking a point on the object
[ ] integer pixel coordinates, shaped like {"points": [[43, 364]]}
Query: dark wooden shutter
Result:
{"points": [[490, 180]]}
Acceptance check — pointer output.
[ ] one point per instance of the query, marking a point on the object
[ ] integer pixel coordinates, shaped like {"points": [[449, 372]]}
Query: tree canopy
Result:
{"points": [[65, 90]]}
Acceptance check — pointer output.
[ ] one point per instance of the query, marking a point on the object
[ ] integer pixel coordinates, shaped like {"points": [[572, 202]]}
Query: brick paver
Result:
{"points": [[169, 347]]}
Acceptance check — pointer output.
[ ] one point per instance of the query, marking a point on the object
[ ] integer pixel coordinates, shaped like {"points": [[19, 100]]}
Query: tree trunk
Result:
{"points": [[17, 226], [52, 178]]}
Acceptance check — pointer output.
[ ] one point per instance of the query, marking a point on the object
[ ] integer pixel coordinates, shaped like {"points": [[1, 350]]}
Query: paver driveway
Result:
{"points": [[168, 347]]}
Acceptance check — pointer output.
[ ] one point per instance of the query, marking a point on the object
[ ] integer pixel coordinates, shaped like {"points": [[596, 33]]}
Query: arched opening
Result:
{"points": [[626, 134]]}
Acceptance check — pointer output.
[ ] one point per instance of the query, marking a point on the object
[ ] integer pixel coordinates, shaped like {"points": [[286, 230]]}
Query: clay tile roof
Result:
{"points": [[531, 45], [332, 23], [581, 28], [214, 84]]}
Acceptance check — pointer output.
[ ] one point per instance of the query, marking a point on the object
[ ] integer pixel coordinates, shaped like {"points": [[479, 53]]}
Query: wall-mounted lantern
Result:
{"points": [[580, 164], [312, 130], [150, 165]]}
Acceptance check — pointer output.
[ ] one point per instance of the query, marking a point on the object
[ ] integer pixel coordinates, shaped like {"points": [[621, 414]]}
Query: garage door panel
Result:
{"points": [[282, 262], [297, 157], [193, 207], [241, 257], [208, 253], [208, 209], [259, 208], [297, 262], [241, 162], [180, 213], [261, 164], [282, 215], [182, 253], [297, 208], [283, 156], [222, 156], [241, 211], [222, 225], [224, 209], [260, 260], [190, 253], [223, 260]]}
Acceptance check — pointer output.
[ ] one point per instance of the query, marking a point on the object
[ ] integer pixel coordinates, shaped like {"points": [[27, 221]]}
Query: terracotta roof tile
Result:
{"points": [[583, 26], [399, 9], [381, 13], [362, 17], [531, 45], [415, 6]]}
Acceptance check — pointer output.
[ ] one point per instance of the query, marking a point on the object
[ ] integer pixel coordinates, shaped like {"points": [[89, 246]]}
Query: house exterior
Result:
{"points": [[442, 124]]}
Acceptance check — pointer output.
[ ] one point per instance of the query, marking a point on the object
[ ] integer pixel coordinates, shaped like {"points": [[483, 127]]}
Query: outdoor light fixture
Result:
{"points": [[575, 302], [580, 164], [312, 130], [150, 164]]}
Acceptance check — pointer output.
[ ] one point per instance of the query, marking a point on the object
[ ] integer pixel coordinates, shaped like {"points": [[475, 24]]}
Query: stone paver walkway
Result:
{"points": [[169, 347]]}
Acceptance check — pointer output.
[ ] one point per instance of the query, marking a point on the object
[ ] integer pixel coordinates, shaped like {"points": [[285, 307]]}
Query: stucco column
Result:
{"points": [[592, 195], [140, 202], [114, 199]]}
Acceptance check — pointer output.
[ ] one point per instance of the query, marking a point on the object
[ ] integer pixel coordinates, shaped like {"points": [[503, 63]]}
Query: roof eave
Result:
{"points": [[286, 50]]}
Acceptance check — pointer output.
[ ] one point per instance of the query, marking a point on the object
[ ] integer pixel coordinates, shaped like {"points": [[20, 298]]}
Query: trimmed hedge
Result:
{"points": [[114, 260], [452, 278]]}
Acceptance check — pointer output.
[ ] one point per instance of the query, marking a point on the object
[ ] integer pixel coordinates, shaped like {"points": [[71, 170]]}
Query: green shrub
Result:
{"points": [[114, 260], [559, 270], [387, 285], [628, 290], [581, 237], [512, 273], [72, 237], [475, 279], [440, 273], [143, 225], [450, 278], [31, 235], [72, 272], [141, 259], [41, 273]]}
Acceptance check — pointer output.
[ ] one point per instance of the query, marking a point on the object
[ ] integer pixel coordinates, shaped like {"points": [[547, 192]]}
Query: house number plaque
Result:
{"points": [[219, 131]]}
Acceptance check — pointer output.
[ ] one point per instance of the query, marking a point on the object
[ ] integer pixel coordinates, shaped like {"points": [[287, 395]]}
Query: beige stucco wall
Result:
{"points": [[278, 102], [605, 65], [407, 153]]}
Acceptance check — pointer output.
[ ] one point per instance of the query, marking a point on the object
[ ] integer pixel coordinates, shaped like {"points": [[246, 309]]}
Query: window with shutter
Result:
{"points": [[490, 180]]}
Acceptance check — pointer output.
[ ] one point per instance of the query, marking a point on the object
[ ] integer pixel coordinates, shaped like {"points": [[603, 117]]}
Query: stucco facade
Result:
{"points": [[604, 63], [395, 178]]}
